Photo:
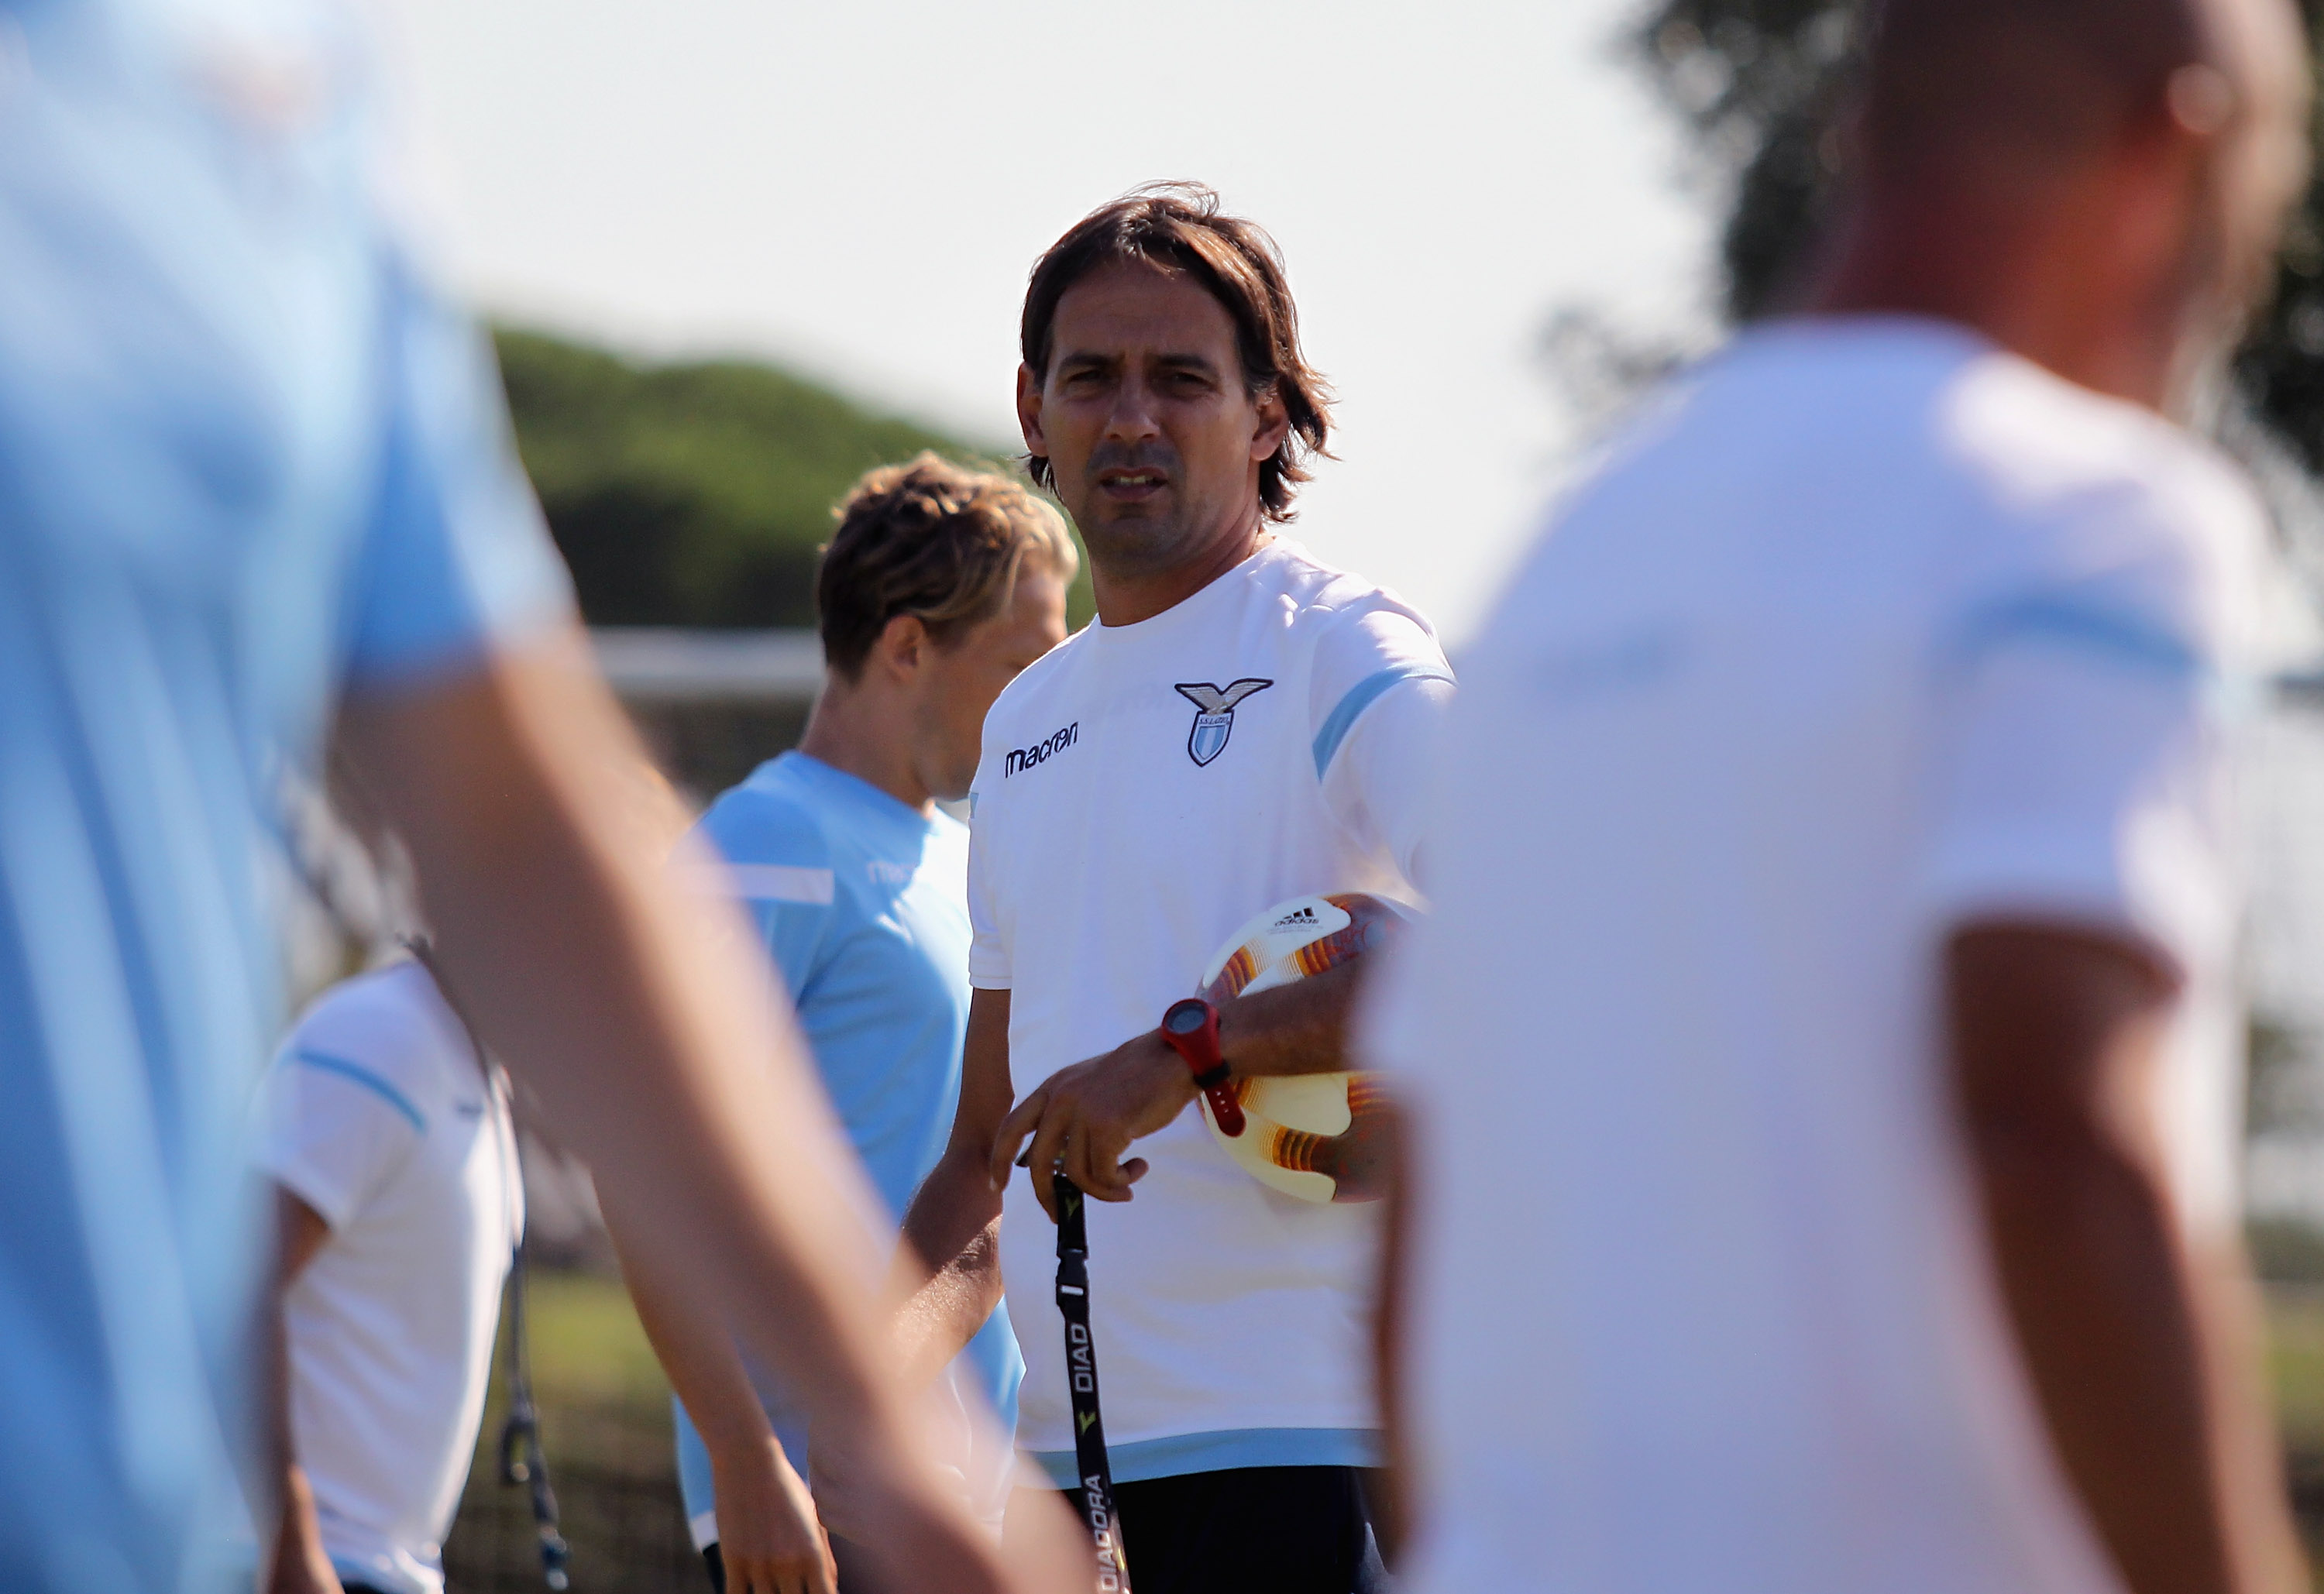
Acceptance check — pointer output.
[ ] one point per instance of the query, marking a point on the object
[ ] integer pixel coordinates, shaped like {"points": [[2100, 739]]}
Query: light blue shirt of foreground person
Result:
{"points": [[245, 458], [862, 901]]}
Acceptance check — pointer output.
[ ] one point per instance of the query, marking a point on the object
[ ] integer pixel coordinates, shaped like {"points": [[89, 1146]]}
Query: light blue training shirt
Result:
{"points": [[862, 902], [246, 457]]}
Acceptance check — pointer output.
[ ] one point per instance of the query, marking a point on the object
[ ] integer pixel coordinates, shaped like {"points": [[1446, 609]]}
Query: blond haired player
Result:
{"points": [[939, 585]]}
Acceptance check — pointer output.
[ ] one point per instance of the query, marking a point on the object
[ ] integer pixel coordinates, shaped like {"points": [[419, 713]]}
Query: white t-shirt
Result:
{"points": [[1145, 790], [1867, 632], [377, 1116]]}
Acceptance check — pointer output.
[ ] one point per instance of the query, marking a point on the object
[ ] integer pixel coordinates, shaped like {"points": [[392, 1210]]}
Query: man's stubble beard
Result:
{"points": [[1143, 546]]}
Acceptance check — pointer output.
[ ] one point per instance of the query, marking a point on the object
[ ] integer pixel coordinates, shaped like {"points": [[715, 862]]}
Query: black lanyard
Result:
{"points": [[522, 1461], [1081, 1376], [521, 1457]]}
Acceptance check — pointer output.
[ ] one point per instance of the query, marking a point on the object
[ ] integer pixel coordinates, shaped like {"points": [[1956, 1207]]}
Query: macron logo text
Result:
{"points": [[1040, 752]]}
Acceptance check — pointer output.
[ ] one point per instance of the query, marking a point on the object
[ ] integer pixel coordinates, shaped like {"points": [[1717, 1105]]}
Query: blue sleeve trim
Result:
{"points": [[2083, 627], [1183, 1454], [365, 1078], [1361, 696]]}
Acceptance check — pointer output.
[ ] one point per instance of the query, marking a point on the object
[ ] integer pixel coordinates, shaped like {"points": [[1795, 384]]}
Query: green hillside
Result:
{"points": [[693, 493]]}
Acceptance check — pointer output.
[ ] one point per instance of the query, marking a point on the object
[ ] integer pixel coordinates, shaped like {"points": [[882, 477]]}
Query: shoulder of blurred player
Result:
{"points": [[769, 818], [2106, 499], [2050, 448]]}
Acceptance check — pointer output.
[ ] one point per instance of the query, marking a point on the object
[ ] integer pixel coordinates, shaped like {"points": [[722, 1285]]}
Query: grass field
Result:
{"points": [[605, 1420], [2296, 1367], [2296, 1359], [606, 1424], [588, 1350]]}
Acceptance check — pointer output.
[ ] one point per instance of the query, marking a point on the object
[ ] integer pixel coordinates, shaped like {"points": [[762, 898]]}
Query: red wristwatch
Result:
{"points": [[1192, 1029]]}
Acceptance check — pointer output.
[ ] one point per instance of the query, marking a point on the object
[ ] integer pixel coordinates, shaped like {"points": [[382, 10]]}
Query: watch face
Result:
{"points": [[1185, 1018]]}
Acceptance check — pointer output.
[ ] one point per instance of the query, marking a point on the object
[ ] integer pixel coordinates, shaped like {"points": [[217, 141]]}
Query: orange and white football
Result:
{"points": [[1319, 1136]]}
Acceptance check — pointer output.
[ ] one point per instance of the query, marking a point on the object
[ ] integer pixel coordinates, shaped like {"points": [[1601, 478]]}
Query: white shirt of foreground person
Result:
{"points": [[1868, 631], [379, 1117]]}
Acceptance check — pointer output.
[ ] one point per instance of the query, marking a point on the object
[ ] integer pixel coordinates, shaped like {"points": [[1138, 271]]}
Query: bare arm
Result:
{"points": [[658, 1048], [299, 1564], [2138, 1336], [769, 1538], [951, 1232], [1086, 1116], [1301, 1028], [949, 1272]]}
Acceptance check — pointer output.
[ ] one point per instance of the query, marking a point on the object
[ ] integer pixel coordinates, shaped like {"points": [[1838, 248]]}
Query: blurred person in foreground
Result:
{"points": [[387, 1135], [940, 585], [252, 468], [1824, 1047]]}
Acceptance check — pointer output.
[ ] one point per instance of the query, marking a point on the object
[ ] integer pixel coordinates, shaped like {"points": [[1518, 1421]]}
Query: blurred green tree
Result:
{"points": [[691, 494], [1758, 83]]}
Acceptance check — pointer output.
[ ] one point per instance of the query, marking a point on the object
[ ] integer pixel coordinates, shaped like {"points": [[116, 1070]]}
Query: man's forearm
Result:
{"points": [[1082, 1118], [953, 1206], [2140, 1365], [951, 1257], [696, 1353], [1301, 1028], [938, 1320], [2134, 1335]]}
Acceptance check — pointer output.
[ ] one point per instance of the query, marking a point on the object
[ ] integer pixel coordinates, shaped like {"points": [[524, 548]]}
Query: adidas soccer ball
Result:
{"points": [[1319, 1137]]}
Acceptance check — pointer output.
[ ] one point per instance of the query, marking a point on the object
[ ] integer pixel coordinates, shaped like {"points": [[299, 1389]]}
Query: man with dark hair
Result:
{"points": [[940, 584], [1180, 229], [1242, 724], [1825, 1054]]}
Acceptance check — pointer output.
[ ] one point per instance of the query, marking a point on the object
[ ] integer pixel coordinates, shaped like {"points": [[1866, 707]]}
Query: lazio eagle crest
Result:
{"points": [[1214, 709]]}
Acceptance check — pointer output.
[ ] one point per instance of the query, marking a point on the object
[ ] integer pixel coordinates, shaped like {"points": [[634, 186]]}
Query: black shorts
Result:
{"points": [[1250, 1530], [853, 1577]]}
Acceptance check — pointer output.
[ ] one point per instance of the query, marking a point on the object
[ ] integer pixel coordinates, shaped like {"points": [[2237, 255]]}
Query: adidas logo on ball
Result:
{"points": [[1300, 919]]}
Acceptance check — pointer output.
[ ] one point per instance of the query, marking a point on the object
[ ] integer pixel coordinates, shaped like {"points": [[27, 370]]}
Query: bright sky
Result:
{"points": [[859, 189]]}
